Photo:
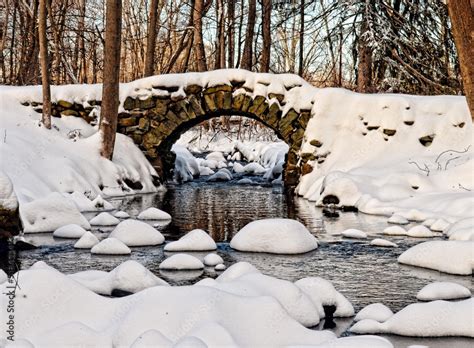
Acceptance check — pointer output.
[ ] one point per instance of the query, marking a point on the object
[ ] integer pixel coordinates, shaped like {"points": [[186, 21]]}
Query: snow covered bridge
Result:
{"points": [[155, 111]]}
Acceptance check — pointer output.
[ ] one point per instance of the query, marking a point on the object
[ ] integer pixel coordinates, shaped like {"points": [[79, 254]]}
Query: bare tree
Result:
{"points": [[230, 32], [43, 43], [199, 53], [364, 69], [266, 31], [462, 19], [151, 39], [110, 86]]}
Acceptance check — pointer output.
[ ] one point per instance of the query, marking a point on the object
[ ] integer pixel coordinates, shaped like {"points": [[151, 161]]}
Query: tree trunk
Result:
{"points": [[151, 39], [230, 32], [43, 43], [364, 69], [266, 21], [462, 22], [248, 46], [199, 52], [110, 86], [301, 57]]}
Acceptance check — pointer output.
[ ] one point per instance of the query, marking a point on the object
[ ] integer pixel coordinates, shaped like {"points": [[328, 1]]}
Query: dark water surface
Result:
{"points": [[363, 273]]}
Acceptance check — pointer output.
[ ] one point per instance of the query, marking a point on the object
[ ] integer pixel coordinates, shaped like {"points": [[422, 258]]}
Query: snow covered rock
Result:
{"points": [[213, 260], [49, 213], [181, 262], [220, 267], [375, 311], [69, 231], [439, 225], [137, 233], [154, 214], [221, 175], [462, 230], [254, 168], [87, 241], [216, 156], [195, 240], [322, 291], [430, 319], [420, 231], [245, 181], [443, 291], [104, 219], [111, 246], [122, 215], [383, 243], [455, 257], [276, 236], [354, 233], [238, 168], [395, 231], [100, 203], [398, 220]]}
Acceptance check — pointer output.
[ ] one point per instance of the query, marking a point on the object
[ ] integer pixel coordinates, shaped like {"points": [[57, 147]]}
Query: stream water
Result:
{"points": [[363, 273]]}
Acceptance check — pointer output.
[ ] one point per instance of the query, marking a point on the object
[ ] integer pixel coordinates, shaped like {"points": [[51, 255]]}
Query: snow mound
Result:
{"points": [[181, 262], [462, 230], [87, 241], [276, 236], [354, 233], [443, 291], [238, 168], [375, 311], [254, 168], [111, 246], [104, 219], [213, 260], [431, 319], [398, 220], [8, 199], [323, 292], [220, 267], [439, 225], [383, 243], [245, 181], [195, 240], [122, 215], [152, 338], [154, 214], [137, 233], [49, 213], [420, 231], [216, 156], [69, 231], [221, 175], [455, 257], [130, 276], [395, 231]]}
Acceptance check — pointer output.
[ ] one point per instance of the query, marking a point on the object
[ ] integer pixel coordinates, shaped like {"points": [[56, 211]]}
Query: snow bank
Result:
{"points": [[69, 231], [454, 257], [431, 319], [87, 241], [181, 262], [195, 240], [276, 236], [137, 233], [443, 291], [111, 246], [8, 198], [154, 214], [375, 311]]}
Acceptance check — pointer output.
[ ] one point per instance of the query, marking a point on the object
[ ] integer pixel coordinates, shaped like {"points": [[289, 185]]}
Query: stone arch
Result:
{"points": [[156, 122]]}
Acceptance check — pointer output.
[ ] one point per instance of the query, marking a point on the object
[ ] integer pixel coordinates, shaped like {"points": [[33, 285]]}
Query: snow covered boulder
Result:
{"points": [[245, 181], [216, 156], [154, 214], [220, 267], [179, 262], [111, 246], [69, 231], [461, 230], [122, 215], [420, 231], [455, 257], [49, 213], [354, 234], [443, 291], [238, 168], [221, 175], [276, 236], [398, 220], [322, 291], [375, 311], [213, 260], [439, 225], [104, 219], [383, 243], [87, 241], [137, 233], [195, 240], [395, 231], [254, 168]]}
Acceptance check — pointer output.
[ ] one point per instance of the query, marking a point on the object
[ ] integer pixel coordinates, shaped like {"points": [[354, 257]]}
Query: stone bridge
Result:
{"points": [[155, 111]]}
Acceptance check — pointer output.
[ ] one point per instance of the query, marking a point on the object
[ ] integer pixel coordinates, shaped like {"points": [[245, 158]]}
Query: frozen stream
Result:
{"points": [[363, 273]]}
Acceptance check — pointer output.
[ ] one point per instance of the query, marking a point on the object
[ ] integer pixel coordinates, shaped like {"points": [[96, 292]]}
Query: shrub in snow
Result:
{"points": [[195, 240], [104, 219], [395, 231], [354, 233], [221, 175], [443, 291], [181, 262], [122, 215], [276, 236], [254, 168], [420, 231], [152, 338], [212, 259], [69, 231], [111, 246], [375, 311], [454, 257], [383, 243], [431, 319], [49, 213], [154, 214], [87, 241], [137, 233], [323, 293], [220, 267], [398, 220]]}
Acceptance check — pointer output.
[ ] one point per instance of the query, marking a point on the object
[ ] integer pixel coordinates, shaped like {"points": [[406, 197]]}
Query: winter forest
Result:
{"points": [[236, 173]]}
